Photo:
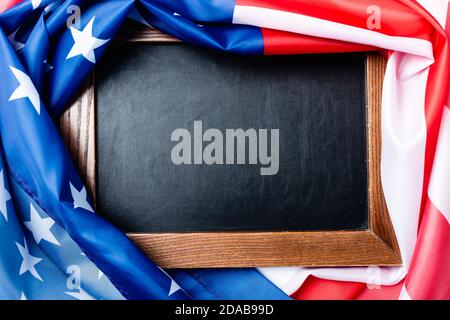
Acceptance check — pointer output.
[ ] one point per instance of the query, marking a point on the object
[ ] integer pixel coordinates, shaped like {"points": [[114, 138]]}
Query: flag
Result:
{"points": [[55, 246]]}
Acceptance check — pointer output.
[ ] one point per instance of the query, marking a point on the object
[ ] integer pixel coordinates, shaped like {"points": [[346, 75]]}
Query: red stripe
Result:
{"points": [[397, 19], [6, 4], [280, 42], [429, 275], [314, 289], [447, 30], [382, 293]]}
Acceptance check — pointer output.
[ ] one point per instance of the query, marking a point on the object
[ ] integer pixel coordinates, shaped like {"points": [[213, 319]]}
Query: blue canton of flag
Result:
{"points": [[53, 245]]}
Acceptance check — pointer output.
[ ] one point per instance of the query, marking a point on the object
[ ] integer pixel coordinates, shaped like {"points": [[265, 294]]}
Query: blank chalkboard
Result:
{"points": [[317, 103]]}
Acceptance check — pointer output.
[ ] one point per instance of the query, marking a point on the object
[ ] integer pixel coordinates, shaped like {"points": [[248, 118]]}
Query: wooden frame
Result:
{"points": [[375, 246]]}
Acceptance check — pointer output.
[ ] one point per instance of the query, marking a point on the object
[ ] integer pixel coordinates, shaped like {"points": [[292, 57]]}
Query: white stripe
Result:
{"points": [[439, 189], [403, 147], [437, 8], [288, 279], [298, 23], [404, 295]]}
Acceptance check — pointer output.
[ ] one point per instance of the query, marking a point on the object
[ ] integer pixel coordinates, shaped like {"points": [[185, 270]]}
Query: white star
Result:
{"points": [[16, 44], [36, 3], [85, 42], [80, 198], [26, 89], [4, 196], [40, 227], [28, 262], [176, 14], [80, 295], [174, 287]]}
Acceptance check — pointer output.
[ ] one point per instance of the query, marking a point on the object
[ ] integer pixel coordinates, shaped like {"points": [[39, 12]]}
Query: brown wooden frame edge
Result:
{"points": [[375, 246]]}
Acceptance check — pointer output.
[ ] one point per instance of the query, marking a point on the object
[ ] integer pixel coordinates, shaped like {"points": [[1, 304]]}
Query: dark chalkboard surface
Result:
{"points": [[317, 102]]}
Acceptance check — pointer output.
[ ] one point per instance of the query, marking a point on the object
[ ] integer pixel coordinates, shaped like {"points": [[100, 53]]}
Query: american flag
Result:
{"points": [[54, 246]]}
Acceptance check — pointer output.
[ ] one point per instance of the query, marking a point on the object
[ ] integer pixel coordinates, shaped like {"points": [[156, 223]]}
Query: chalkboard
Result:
{"points": [[151, 95]]}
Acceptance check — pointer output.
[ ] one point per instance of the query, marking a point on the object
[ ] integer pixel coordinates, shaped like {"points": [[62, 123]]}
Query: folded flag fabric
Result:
{"points": [[53, 244]]}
